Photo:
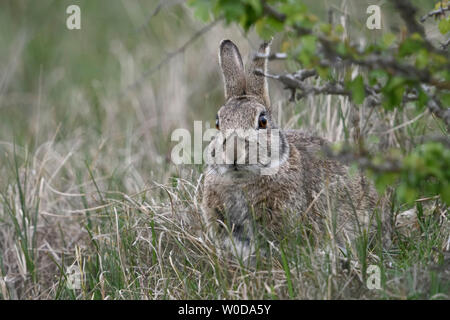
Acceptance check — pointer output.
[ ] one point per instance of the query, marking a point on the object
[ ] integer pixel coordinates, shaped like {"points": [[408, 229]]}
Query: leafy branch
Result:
{"points": [[398, 69]]}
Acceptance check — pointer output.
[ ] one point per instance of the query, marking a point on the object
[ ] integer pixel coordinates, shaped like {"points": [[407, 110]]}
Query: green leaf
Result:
{"points": [[388, 39], [267, 27], [411, 45], [406, 193], [393, 92], [326, 28], [445, 98], [309, 43], [383, 180], [202, 9], [422, 59], [445, 194], [426, 172], [377, 76], [308, 50], [231, 9], [339, 29], [444, 26], [295, 12], [255, 5], [422, 99], [357, 89]]}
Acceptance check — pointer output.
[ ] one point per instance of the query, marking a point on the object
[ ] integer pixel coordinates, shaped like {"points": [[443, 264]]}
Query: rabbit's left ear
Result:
{"points": [[257, 84], [232, 69]]}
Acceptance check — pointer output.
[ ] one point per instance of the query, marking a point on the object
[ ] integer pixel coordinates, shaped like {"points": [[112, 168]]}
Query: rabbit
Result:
{"points": [[238, 199]]}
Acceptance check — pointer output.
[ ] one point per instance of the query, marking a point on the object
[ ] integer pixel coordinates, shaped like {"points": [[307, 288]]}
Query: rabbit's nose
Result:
{"points": [[230, 149], [234, 150]]}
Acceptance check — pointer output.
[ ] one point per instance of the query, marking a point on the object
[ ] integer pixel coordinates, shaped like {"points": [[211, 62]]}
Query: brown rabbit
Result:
{"points": [[239, 199]]}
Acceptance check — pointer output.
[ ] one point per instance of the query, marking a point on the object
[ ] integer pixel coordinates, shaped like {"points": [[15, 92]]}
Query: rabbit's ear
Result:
{"points": [[257, 84], [232, 69]]}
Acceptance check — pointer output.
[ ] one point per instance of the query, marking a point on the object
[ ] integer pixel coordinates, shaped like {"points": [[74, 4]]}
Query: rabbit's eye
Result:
{"points": [[217, 123], [262, 123]]}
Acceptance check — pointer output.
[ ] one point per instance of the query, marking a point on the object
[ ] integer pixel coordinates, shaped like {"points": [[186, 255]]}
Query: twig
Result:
{"points": [[432, 138], [373, 61], [435, 13], [363, 160], [295, 81], [435, 106], [268, 10], [376, 60], [272, 56], [408, 12], [405, 124], [162, 4], [389, 64]]}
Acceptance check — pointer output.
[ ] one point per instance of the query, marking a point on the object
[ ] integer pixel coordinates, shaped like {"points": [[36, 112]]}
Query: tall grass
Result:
{"points": [[86, 182]]}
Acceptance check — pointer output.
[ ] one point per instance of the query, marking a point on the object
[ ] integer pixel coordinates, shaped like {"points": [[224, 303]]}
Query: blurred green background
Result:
{"points": [[114, 91], [43, 62]]}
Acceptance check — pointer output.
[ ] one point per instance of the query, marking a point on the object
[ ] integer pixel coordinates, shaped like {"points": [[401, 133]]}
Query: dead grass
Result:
{"points": [[85, 181]]}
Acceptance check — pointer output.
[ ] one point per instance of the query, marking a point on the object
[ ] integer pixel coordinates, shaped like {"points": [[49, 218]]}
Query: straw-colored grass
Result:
{"points": [[86, 180]]}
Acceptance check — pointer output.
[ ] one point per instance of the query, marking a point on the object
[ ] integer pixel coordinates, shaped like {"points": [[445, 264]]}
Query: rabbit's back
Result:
{"points": [[329, 188]]}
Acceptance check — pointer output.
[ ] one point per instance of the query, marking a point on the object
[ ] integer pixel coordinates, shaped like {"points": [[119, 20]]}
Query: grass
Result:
{"points": [[151, 245], [86, 182]]}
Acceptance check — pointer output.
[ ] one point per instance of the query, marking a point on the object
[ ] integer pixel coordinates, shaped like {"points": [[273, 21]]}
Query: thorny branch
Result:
{"points": [[272, 56], [295, 81], [435, 13], [408, 13], [374, 60], [445, 44], [363, 160]]}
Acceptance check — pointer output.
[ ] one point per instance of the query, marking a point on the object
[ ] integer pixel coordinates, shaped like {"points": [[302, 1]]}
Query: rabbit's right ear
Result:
{"points": [[232, 69]]}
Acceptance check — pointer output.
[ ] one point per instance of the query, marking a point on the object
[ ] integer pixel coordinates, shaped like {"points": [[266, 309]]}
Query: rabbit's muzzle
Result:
{"points": [[236, 151], [250, 151]]}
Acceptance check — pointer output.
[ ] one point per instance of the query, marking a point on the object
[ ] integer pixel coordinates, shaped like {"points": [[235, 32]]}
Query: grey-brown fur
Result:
{"points": [[306, 186]]}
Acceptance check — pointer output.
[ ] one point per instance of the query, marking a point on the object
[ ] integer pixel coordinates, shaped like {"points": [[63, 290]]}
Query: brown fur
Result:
{"points": [[307, 184]]}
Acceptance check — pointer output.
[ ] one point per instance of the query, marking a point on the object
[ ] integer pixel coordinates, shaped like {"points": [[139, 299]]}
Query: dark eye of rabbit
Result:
{"points": [[217, 122], [262, 122]]}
